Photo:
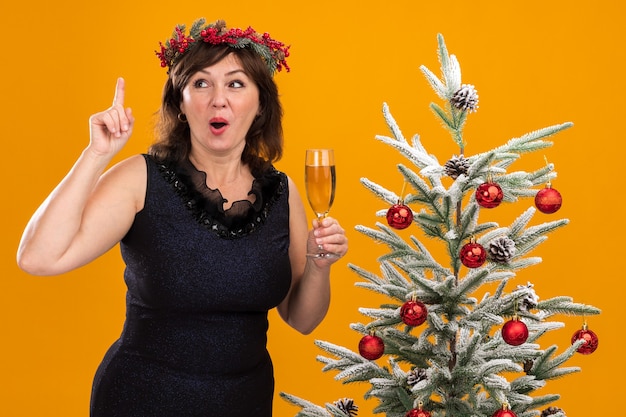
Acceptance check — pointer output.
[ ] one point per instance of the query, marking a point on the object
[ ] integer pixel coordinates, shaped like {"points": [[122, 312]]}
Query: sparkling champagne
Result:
{"points": [[320, 187]]}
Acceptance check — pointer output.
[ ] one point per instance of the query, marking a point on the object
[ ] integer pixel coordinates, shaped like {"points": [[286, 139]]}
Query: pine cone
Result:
{"points": [[528, 365], [531, 300], [502, 249], [347, 406], [416, 375], [456, 166], [465, 98], [551, 410]]}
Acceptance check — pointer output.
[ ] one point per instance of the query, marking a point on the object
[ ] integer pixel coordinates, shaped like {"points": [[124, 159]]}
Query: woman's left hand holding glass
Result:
{"points": [[327, 235]]}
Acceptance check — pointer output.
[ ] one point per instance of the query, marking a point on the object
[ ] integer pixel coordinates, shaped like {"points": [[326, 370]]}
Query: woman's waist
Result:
{"points": [[217, 342]]}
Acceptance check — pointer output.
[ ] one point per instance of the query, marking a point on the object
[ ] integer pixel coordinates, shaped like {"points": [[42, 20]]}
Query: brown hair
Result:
{"points": [[264, 140]]}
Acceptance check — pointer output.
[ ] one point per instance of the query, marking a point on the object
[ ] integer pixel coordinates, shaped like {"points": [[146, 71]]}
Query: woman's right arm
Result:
{"points": [[88, 212]]}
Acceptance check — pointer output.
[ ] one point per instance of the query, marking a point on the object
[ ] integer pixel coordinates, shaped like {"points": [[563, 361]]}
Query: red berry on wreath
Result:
{"points": [[371, 347], [399, 216], [473, 255], [413, 313], [514, 332], [504, 412], [489, 195], [591, 340], [548, 200]]}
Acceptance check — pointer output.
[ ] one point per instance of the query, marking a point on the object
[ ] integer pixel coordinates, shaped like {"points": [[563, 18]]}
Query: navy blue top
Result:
{"points": [[200, 283]]}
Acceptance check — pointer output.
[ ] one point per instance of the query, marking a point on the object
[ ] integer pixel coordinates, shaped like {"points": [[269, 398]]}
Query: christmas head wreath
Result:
{"points": [[270, 50]]}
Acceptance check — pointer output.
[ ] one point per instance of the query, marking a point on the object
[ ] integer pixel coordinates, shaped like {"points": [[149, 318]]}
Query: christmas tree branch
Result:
{"points": [[435, 197], [542, 401], [308, 408], [393, 125], [526, 384], [441, 113], [565, 305], [383, 317], [392, 285], [388, 196], [417, 155], [472, 282], [384, 235], [545, 367], [436, 84], [532, 141]]}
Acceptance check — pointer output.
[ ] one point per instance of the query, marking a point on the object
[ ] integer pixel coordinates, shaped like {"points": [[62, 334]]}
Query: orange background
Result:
{"points": [[534, 64]]}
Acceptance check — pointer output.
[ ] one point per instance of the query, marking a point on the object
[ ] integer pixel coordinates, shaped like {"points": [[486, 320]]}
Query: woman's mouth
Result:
{"points": [[218, 125]]}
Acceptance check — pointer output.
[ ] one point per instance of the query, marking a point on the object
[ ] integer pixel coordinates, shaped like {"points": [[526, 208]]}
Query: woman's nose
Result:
{"points": [[219, 98]]}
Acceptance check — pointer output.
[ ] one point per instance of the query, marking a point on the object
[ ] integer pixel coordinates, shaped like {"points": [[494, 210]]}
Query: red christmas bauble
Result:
{"points": [[504, 412], [473, 255], [371, 347], [548, 200], [399, 216], [413, 313], [417, 412], [489, 195], [514, 332], [590, 338]]}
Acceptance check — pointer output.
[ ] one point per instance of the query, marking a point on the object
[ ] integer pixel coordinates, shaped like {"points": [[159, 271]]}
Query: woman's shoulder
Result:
{"points": [[133, 166], [128, 177]]}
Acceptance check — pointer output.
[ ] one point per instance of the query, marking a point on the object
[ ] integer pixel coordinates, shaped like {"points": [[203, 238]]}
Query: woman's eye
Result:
{"points": [[236, 84], [200, 84]]}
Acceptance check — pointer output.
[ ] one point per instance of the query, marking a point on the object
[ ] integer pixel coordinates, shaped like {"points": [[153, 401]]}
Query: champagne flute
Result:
{"points": [[320, 179]]}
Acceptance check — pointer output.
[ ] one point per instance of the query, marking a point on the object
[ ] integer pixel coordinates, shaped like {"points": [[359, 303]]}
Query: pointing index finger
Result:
{"points": [[119, 92]]}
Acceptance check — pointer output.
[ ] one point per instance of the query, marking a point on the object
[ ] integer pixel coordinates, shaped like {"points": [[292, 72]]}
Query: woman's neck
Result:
{"points": [[222, 172]]}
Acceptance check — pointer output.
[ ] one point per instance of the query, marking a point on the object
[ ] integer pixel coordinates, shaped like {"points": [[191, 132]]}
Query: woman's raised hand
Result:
{"points": [[110, 129]]}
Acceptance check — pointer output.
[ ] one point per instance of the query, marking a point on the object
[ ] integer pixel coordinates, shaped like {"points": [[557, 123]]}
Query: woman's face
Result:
{"points": [[220, 103]]}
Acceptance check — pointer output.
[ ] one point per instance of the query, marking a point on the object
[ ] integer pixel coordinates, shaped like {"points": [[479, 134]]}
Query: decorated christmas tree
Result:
{"points": [[443, 344]]}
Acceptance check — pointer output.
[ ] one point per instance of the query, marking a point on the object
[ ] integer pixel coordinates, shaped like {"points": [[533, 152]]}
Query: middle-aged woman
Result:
{"points": [[213, 236]]}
